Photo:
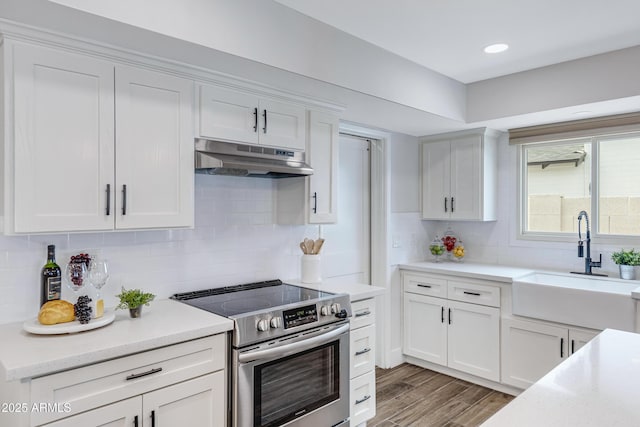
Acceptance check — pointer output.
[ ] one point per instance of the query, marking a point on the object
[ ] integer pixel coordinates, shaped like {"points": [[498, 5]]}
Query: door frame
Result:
{"points": [[380, 214]]}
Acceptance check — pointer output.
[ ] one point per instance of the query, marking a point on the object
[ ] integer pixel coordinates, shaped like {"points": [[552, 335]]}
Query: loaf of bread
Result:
{"points": [[57, 311]]}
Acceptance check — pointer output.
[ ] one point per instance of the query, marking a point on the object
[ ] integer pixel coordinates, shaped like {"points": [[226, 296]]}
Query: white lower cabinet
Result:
{"points": [[363, 373], [181, 384], [461, 335], [531, 349], [194, 402]]}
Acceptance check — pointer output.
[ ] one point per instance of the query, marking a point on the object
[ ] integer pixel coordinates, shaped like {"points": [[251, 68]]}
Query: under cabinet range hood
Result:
{"points": [[224, 158]]}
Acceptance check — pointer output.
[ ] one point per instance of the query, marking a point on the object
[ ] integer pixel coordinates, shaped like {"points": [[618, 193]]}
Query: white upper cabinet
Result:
{"points": [[154, 149], [459, 176], [236, 116], [82, 128], [314, 199]]}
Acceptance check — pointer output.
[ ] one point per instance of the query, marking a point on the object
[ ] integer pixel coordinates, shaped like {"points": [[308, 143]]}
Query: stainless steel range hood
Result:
{"points": [[224, 158]]}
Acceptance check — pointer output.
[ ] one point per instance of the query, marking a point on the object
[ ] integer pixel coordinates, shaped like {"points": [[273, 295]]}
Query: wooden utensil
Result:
{"points": [[303, 247], [317, 245], [308, 244]]}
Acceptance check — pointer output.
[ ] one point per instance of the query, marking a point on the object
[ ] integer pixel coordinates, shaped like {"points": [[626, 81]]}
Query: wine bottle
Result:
{"points": [[51, 277]]}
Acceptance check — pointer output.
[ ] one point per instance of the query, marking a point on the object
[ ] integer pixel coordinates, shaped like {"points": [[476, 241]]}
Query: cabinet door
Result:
{"points": [[282, 125], [125, 413], [425, 330], [435, 180], [198, 402], [362, 348], [363, 398], [474, 339], [466, 178], [154, 149], [530, 350], [63, 141], [578, 338], [227, 114], [322, 155]]}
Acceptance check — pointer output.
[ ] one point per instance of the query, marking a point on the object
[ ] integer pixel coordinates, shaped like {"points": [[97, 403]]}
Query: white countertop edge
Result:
{"points": [[493, 272], [356, 291]]}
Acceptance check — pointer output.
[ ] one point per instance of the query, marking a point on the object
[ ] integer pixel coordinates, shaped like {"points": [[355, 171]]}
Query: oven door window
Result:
{"points": [[295, 385]]}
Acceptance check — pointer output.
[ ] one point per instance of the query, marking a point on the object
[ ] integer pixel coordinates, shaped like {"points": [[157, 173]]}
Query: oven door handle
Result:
{"points": [[305, 344]]}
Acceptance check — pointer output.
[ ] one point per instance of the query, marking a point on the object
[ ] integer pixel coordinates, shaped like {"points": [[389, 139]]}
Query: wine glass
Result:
{"points": [[98, 274], [75, 275]]}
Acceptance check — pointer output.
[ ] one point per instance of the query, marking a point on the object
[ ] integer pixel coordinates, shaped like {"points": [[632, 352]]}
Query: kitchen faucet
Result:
{"points": [[588, 263]]}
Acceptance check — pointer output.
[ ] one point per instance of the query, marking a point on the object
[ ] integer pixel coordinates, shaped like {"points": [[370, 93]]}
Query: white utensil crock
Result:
{"points": [[311, 269]]}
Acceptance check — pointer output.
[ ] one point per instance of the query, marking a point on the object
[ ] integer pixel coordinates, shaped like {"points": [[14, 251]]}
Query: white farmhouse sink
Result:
{"points": [[588, 301]]}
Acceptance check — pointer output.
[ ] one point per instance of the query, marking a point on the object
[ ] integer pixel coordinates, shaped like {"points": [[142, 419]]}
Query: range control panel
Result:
{"points": [[300, 316]]}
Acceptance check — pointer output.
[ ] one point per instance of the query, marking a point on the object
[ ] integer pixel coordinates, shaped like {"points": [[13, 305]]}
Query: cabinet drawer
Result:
{"points": [[363, 398], [474, 293], [362, 348], [364, 313], [425, 285], [106, 382]]}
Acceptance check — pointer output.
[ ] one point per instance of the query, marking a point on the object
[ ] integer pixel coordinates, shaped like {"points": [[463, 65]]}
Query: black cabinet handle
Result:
{"points": [[363, 313], [452, 204], [264, 129], [445, 204], [442, 315], [315, 202], [573, 346], [471, 293], [255, 119], [364, 399], [363, 351], [561, 347], [124, 200], [135, 421], [143, 374], [449, 316], [153, 418], [422, 285], [108, 199]]}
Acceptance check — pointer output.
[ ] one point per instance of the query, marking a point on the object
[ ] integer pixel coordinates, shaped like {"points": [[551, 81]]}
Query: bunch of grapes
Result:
{"points": [[76, 272], [82, 310]]}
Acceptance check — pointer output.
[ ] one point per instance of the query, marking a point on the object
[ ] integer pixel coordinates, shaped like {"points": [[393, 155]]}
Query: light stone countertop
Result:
{"points": [[597, 386], [164, 322], [497, 273]]}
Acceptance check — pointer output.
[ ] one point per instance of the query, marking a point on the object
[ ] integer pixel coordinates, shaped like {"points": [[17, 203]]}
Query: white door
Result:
{"points": [[125, 413], [466, 178], [282, 125], [474, 339], [435, 180], [154, 149], [198, 402], [530, 350], [425, 328], [347, 252], [63, 106], [228, 115]]}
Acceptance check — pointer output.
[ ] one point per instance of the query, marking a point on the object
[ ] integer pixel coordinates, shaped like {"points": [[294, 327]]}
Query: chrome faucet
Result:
{"points": [[588, 263]]}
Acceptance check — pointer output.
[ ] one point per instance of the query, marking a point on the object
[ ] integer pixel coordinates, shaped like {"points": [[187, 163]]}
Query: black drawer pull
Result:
{"points": [[153, 418], [135, 421], [363, 313], [422, 285], [361, 352], [364, 399], [561, 348], [108, 199], [255, 119], [442, 315], [449, 316], [143, 374], [573, 346], [477, 294]]}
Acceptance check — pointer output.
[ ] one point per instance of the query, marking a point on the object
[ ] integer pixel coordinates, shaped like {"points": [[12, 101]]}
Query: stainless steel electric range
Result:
{"points": [[289, 353]]}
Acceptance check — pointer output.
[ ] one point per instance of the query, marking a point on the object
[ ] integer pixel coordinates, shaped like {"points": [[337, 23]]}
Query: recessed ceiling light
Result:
{"points": [[496, 48]]}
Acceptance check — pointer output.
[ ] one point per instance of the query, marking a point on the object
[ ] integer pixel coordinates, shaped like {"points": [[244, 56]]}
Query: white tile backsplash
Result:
{"points": [[234, 241]]}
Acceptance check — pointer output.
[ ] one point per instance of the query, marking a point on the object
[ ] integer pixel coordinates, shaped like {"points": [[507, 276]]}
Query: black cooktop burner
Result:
{"points": [[232, 301]]}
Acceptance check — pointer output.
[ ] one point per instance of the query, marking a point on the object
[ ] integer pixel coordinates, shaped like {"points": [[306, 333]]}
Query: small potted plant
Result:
{"points": [[627, 262], [134, 299]]}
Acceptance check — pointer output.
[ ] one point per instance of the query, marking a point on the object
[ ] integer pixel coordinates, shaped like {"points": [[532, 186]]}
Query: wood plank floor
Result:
{"points": [[408, 395]]}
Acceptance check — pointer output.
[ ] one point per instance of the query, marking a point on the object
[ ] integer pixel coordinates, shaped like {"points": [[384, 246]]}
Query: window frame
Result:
{"points": [[594, 217]]}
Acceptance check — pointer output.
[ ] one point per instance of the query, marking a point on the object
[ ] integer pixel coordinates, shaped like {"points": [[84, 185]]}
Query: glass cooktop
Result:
{"points": [[234, 301]]}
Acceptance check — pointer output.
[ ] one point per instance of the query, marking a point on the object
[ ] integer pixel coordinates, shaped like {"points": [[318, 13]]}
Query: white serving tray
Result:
{"points": [[34, 327]]}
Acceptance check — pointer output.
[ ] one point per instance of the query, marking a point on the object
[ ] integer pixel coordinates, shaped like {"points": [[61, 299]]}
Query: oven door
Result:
{"points": [[298, 380]]}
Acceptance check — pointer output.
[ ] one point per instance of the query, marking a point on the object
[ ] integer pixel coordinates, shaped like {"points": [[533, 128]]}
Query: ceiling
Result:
{"points": [[448, 36]]}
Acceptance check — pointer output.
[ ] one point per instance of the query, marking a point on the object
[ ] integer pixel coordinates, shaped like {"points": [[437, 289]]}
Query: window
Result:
{"points": [[599, 174]]}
